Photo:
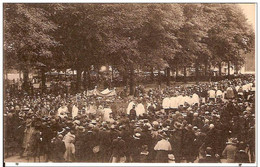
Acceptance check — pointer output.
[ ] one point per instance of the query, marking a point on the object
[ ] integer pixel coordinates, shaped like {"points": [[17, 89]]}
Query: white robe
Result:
{"points": [[62, 109], [245, 88], [68, 138], [212, 93], [166, 103], [107, 112], [195, 98], [91, 109], [173, 102], [187, 99], [140, 110], [219, 93], [237, 87], [180, 100], [130, 106], [75, 111]]}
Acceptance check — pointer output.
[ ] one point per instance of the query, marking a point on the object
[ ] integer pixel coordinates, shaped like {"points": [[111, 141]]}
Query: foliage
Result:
{"points": [[137, 36]]}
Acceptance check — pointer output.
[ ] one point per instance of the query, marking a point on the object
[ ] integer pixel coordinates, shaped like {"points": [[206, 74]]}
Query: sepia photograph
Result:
{"points": [[129, 83]]}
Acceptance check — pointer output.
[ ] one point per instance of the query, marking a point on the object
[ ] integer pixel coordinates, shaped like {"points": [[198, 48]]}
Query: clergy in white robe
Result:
{"points": [[91, 109], [237, 87], [107, 112], [186, 99], [212, 94], [140, 110], [180, 100], [195, 98], [63, 110], [173, 103], [75, 111], [166, 103]]}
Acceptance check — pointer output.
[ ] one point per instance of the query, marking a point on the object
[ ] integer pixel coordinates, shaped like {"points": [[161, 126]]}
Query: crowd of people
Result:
{"points": [[205, 123]]}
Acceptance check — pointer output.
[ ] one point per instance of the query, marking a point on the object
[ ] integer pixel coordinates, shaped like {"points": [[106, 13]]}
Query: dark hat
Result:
{"points": [[177, 125], [242, 145], [163, 135]]}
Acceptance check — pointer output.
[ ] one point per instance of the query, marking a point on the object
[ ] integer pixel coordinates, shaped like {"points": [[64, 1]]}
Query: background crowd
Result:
{"points": [[206, 122]]}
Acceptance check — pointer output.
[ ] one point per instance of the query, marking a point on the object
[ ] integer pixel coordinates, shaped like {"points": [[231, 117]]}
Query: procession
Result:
{"points": [[129, 83], [215, 120]]}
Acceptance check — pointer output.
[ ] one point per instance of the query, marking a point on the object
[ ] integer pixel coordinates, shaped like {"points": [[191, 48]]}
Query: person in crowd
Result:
{"points": [[69, 154], [118, 150], [162, 148], [241, 155], [58, 149], [210, 157], [230, 151], [105, 135]]}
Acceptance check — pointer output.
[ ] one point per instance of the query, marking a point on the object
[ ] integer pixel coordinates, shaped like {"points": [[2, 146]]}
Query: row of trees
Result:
{"points": [[125, 36]]}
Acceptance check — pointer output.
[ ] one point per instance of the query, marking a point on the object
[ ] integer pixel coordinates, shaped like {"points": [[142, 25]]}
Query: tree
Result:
{"points": [[192, 35], [26, 37], [230, 37], [143, 36], [158, 41]]}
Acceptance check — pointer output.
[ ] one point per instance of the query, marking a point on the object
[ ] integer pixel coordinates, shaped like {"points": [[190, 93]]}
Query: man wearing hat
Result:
{"points": [[166, 104], [241, 155], [188, 143], [118, 150], [80, 137], [104, 144], [176, 140], [58, 149], [209, 157], [136, 145], [197, 120], [162, 148], [230, 151], [132, 113]]}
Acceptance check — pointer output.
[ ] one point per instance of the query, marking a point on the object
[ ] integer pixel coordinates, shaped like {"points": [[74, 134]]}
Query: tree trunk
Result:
{"points": [[112, 77], [85, 79], [20, 75], [88, 79], [125, 79], [196, 71], [73, 73], [209, 73], [206, 69], [177, 72], [168, 75], [43, 78], [25, 80], [185, 73], [159, 77], [6, 75], [236, 69], [131, 82], [152, 74], [219, 69], [228, 69], [78, 82]]}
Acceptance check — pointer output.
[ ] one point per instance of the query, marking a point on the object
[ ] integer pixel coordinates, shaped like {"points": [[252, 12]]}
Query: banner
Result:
{"points": [[104, 93]]}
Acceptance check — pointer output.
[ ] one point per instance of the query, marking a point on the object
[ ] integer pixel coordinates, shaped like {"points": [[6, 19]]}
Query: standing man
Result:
{"points": [[118, 150], [132, 114]]}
